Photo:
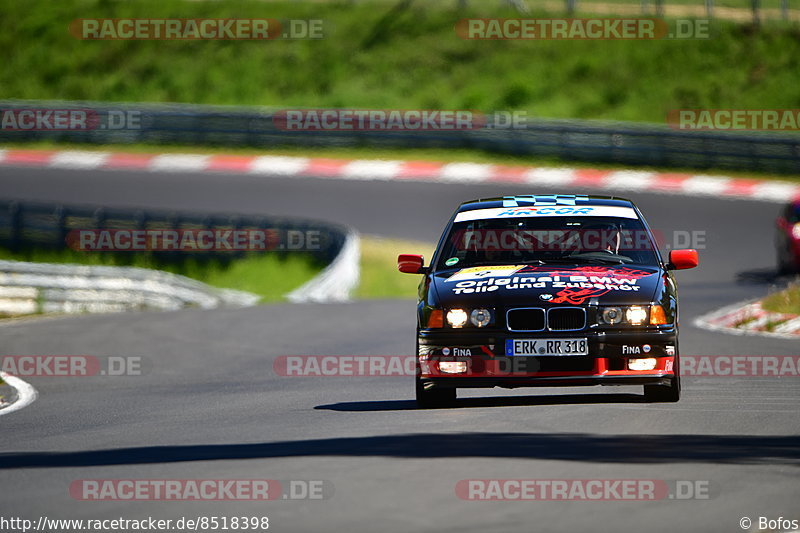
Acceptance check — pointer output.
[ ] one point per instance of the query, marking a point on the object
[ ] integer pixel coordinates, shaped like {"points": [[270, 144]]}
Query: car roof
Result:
{"points": [[544, 199]]}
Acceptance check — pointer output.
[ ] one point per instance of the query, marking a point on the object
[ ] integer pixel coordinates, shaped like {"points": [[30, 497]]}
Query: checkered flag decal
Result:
{"points": [[543, 199]]}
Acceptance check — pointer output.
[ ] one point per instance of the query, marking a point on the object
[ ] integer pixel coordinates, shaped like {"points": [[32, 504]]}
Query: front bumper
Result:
{"points": [[482, 359]]}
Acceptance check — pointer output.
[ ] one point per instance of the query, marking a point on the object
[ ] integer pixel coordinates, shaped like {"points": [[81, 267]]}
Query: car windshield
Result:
{"points": [[547, 240]]}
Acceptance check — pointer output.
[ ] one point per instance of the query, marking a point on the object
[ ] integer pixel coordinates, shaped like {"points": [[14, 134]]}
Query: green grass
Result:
{"points": [[268, 275], [785, 301], [408, 58], [379, 275]]}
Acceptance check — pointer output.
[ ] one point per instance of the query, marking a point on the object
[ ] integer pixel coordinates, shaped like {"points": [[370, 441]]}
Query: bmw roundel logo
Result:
{"points": [[546, 297], [445, 351]]}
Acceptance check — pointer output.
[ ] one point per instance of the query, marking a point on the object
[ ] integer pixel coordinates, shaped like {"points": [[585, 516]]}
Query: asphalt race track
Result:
{"points": [[209, 405]]}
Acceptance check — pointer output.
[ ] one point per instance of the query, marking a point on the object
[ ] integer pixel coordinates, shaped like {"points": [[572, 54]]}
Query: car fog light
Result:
{"points": [[480, 317], [642, 364], [612, 315], [453, 367], [457, 318]]}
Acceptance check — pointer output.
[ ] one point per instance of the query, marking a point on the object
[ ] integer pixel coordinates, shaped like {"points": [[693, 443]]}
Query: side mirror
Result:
{"points": [[683, 259], [410, 263]]}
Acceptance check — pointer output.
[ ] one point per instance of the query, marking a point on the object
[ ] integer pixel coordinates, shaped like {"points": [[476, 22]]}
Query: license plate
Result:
{"points": [[539, 347]]}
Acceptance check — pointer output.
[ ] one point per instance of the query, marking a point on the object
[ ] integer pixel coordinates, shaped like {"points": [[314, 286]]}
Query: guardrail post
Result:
{"points": [[61, 225], [140, 219], [99, 218], [756, 6], [710, 8], [15, 215], [572, 6]]}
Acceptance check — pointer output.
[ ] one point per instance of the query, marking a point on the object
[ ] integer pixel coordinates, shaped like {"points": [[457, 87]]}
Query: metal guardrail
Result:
{"points": [[41, 225], [753, 11], [27, 288], [573, 140]]}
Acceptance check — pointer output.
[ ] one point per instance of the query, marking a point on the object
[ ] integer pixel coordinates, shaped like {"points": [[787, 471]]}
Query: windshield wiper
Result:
{"points": [[579, 259], [499, 263]]}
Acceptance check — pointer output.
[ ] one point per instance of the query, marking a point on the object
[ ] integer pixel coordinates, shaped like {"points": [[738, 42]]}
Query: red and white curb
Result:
{"points": [[749, 318], [369, 169]]}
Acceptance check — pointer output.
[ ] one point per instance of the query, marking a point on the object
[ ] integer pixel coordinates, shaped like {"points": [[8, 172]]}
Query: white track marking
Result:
{"points": [[775, 191], [79, 159], [179, 163], [287, 166], [465, 172], [368, 169], [26, 394], [790, 326], [630, 180], [710, 185], [550, 176]]}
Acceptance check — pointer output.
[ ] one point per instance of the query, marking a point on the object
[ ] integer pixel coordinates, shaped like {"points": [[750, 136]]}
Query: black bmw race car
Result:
{"points": [[547, 290]]}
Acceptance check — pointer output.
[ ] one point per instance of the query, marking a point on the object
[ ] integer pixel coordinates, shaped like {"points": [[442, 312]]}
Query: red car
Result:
{"points": [[787, 238]]}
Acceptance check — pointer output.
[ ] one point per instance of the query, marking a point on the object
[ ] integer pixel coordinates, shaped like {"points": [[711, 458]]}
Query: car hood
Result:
{"points": [[513, 285]]}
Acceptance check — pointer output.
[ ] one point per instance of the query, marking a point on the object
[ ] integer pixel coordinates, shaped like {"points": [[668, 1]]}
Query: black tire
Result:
{"points": [[785, 266], [663, 393], [435, 397]]}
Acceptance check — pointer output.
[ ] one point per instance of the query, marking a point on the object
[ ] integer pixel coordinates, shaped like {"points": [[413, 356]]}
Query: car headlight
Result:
{"points": [[636, 315], [796, 230], [457, 318], [480, 317], [633, 315]]}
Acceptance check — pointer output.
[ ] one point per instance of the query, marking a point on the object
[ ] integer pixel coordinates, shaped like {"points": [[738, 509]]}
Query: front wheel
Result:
{"points": [[434, 397], [785, 263], [663, 393]]}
